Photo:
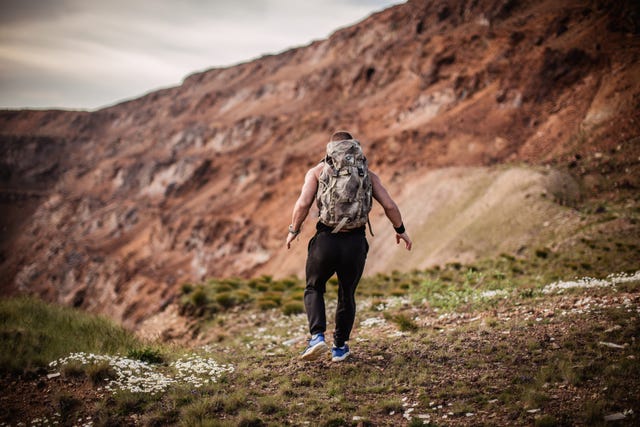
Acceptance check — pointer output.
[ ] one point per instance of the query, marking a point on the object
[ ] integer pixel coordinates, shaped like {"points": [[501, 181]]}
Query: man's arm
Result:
{"points": [[390, 208], [304, 202]]}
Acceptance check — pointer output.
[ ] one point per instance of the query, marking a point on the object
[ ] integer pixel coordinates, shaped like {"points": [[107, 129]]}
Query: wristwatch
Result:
{"points": [[292, 231]]}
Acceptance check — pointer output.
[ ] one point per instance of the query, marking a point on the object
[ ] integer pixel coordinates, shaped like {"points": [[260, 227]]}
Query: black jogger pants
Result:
{"points": [[344, 254]]}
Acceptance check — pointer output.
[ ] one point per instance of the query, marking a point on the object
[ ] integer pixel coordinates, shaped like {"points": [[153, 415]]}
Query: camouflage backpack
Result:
{"points": [[344, 188]]}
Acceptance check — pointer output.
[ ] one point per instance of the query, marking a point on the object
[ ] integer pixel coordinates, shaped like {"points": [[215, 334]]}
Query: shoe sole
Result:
{"points": [[314, 352], [339, 358]]}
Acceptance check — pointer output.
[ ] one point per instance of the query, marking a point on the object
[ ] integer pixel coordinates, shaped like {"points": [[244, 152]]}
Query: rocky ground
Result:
{"points": [[564, 355]]}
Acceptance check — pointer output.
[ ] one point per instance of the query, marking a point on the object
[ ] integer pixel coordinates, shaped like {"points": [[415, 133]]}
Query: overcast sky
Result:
{"points": [[85, 54]]}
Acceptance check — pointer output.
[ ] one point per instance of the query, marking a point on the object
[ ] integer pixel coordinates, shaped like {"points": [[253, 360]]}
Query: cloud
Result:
{"points": [[86, 53], [17, 11]]}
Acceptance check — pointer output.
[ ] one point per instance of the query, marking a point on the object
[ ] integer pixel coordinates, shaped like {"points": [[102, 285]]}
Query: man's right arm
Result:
{"points": [[304, 202]]}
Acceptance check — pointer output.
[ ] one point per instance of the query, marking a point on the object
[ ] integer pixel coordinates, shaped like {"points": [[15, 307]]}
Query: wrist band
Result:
{"points": [[400, 229], [292, 231]]}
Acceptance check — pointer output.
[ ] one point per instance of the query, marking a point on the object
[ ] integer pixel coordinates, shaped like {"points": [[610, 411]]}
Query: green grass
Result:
{"points": [[146, 354], [34, 333], [405, 323]]}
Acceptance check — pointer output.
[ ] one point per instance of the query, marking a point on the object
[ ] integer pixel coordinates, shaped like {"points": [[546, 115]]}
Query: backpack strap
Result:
{"points": [[341, 224]]}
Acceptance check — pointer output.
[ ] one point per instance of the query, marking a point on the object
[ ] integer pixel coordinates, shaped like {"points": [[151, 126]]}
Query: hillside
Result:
{"points": [[498, 348], [499, 126]]}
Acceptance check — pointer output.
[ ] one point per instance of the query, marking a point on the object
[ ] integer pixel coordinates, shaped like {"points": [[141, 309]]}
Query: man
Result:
{"points": [[338, 249]]}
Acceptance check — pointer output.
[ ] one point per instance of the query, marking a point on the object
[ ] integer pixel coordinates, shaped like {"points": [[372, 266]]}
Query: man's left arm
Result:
{"points": [[390, 210]]}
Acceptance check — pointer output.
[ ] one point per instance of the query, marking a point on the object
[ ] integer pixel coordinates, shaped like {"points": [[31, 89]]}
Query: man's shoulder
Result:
{"points": [[316, 169]]}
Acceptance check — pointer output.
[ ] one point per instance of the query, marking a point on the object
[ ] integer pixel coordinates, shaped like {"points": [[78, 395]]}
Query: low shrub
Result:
{"points": [[267, 304], [147, 354], [225, 300], [293, 307]]}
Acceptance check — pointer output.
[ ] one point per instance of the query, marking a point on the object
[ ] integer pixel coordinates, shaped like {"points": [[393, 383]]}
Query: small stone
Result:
{"points": [[612, 345], [54, 375], [293, 341], [614, 417]]}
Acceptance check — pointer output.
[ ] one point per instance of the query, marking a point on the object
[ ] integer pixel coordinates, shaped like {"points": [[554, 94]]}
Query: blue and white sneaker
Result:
{"points": [[338, 354], [315, 348]]}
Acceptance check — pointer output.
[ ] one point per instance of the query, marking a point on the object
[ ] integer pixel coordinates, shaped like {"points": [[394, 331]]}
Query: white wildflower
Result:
{"points": [[199, 371], [589, 282], [140, 377], [493, 293], [372, 322]]}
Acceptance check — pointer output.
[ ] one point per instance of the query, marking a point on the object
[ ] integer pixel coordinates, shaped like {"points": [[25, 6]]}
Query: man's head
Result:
{"points": [[341, 135]]}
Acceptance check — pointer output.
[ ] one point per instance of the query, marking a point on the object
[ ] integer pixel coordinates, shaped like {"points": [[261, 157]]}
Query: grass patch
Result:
{"points": [[405, 323], [33, 333], [146, 354], [100, 373], [205, 300], [293, 307]]}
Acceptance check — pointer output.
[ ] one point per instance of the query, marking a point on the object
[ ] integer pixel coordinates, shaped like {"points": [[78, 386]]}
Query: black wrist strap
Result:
{"points": [[400, 229]]}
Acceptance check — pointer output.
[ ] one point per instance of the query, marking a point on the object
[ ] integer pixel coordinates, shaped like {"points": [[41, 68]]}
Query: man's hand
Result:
{"points": [[407, 241], [290, 238]]}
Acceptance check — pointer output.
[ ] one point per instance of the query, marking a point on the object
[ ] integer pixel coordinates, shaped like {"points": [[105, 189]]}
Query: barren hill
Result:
{"points": [[484, 118]]}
